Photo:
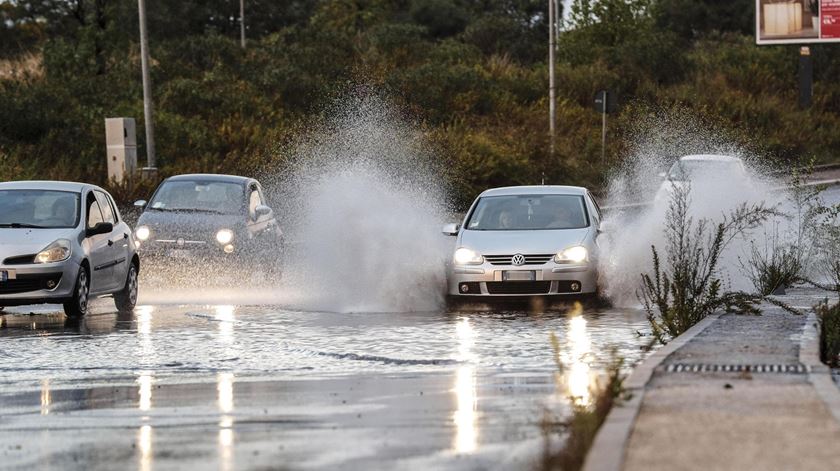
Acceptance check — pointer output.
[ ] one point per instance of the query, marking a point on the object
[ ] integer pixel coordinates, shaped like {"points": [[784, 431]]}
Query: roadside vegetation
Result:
{"points": [[827, 271], [581, 426], [473, 76], [685, 285], [790, 240]]}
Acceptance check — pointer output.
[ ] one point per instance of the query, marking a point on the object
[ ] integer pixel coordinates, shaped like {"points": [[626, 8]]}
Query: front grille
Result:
{"points": [[529, 259], [518, 287], [25, 283], [20, 260]]}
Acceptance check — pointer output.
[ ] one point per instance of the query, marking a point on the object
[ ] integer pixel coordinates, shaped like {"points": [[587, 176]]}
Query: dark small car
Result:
{"points": [[215, 223]]}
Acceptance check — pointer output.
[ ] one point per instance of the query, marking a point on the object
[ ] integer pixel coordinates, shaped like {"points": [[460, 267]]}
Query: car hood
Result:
{"points": [[182, 224], [524, 242], [17, 242]]}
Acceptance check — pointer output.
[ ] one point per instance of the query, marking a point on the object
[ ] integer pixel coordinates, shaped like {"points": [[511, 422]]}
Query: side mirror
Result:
{"points": [[140, 204], [262, 210], [450, 229], [663, 175], [100, 228]]}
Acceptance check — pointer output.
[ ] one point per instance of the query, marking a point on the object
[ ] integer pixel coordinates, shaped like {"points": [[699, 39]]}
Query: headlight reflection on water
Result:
{"points": [[465, 416], [144, 448], [224, 388], [579, 378]]}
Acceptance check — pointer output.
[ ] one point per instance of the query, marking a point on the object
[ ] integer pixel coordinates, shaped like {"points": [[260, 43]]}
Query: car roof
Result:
{"points": [[535, 190], [210, 177], [48, 185], [711, 158]]}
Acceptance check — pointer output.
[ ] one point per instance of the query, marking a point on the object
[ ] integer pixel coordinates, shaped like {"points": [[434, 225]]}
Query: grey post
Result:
{"points": [[148, 116], [551, 91], [242, 22], [604, 127]]}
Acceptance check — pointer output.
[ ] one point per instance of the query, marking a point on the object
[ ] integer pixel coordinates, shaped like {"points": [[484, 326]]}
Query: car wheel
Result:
{"points": [[126, 298], [77, 306]]}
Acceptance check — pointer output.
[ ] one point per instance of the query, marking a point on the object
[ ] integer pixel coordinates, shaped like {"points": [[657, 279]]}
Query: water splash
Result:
{"points": [[365, 204], [632, 228]]}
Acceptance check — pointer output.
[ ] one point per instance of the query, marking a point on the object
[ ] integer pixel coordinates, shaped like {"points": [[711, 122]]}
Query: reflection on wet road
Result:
{"points": [[240, 386]]}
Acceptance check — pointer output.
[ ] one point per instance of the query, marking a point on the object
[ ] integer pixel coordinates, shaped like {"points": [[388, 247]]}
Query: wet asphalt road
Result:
{"points": [[238, 386]]}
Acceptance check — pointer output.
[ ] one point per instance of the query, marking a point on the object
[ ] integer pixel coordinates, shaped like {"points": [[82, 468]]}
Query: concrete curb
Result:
{"points": [[820, 374], [610, 445]]}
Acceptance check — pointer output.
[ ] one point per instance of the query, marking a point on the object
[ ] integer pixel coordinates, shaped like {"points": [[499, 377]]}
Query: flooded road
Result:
{"points": [[263, 386]]}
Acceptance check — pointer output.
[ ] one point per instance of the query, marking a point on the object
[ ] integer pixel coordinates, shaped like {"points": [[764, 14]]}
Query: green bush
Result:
{"points": [[829, 319]]}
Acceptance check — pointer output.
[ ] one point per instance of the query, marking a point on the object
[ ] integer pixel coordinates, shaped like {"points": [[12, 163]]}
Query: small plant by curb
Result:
{"points": [[582, 426], [829, 319]]}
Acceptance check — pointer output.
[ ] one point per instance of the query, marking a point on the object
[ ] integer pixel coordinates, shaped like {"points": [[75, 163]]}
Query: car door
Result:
{"points": [[99, 253], [117, 242]]}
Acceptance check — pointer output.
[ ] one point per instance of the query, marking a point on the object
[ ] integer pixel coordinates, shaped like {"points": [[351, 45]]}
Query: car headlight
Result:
{"points": [[465, 256], [142, 233], [574, 254], [224, 236], [58, 251]]}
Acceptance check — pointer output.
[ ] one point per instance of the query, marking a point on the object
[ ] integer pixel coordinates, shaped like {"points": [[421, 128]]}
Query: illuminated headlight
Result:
{"points": [[224, 236], [58, 251], [465, 256], [142, 233], [575, 254]]}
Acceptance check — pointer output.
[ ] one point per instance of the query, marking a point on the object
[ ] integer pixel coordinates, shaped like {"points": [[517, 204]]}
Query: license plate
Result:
{"points": [[179, 253], [6, 275], [519, 275]]}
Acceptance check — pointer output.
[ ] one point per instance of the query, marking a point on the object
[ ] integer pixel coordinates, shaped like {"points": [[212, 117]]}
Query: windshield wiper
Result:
{"points": [[21, 225]]}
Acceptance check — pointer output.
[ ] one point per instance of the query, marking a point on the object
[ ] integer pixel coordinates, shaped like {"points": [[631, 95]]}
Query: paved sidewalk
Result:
{"points": [[737, 420]]}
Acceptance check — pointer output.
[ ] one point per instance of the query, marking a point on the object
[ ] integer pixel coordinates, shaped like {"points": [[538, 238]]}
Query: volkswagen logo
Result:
{"points": [[518, 260], [180, 242]]}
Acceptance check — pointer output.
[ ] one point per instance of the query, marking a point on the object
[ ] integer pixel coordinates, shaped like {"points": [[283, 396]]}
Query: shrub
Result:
{"points": [[776, 267], [687, 288], [829, 318]]}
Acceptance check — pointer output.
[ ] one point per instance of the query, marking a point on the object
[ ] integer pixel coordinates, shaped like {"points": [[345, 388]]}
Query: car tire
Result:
{"points": [[126, 298], [77, 306]]}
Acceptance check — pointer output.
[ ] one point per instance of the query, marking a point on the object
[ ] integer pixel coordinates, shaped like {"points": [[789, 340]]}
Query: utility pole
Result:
{"points": [[148, 116], [552, 99], [242, 22]]}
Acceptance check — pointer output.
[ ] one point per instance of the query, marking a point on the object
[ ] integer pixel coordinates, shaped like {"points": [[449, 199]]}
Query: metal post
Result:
{"points": [[552, 99], [148, 116], [604, 131], [242, 22], [806, 78]]}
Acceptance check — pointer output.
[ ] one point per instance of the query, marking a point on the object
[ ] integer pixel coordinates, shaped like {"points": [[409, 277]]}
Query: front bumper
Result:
{"points": [[32, 283], [551, 279]]}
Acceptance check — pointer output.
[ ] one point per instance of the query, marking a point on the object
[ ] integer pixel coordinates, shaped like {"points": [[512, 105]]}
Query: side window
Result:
{"points": [[105, 205], [254, 201], [597, 208], [94, 212]]}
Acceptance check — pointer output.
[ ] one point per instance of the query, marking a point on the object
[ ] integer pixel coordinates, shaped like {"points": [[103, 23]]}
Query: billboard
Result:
{"points": [[797, 21]]}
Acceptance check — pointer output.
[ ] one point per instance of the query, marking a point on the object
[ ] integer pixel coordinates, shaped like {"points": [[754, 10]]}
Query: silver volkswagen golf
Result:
{"points": [[526, 241], [64, 243]]}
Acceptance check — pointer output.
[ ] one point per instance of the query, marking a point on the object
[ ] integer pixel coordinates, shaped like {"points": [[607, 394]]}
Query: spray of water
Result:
{"points": [[364, 204], [632, 228]]}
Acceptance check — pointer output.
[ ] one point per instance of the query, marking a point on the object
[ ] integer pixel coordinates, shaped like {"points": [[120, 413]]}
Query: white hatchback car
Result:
{"points": [[526, 241], [700, 168], [64, 243]]}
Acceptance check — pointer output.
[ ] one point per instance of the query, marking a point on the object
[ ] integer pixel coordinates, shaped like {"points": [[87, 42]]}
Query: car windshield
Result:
{"points": [[39, 209], [684, 170], [199, 196], [529, 212]]}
